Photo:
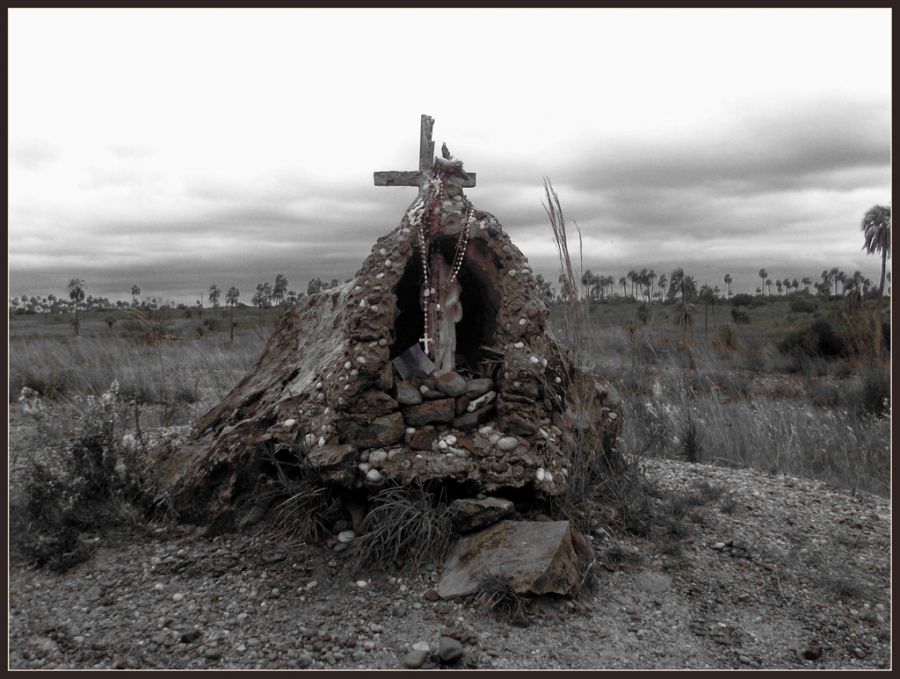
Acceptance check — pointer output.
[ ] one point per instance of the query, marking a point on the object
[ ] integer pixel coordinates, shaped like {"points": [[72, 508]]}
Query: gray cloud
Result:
{"points": [[783, 188], [34, 155]]}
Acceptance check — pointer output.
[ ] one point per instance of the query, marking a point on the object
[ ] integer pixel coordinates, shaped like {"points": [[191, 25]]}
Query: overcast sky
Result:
{"points": [[180, 148]]}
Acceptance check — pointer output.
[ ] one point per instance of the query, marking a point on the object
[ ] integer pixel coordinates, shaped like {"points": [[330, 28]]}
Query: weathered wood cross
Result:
{"points": [[426, 162]]}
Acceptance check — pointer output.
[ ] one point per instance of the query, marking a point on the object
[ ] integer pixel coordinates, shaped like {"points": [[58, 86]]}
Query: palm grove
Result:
{"points": [[644, 285]]}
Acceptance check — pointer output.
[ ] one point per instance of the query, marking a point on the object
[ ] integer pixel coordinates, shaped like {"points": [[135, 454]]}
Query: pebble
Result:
{"points": [[178, 596], [346, 536], [449, 650], [415, 659], [373, 476], [362, 583], [507, 443]]}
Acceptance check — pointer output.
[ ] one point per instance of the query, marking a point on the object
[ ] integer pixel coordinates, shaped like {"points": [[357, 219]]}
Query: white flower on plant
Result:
{"points": [[120, 467], [31, 402], [109, 396]]}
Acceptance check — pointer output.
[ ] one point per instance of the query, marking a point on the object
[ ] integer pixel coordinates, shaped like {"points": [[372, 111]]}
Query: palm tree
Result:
{"points": [[679, 283], [675, 280], [623, 281], [662, 283], [866, 284], [708, 296], [643, 281], [806, 281], [587, 280], [231, 299], [632, 278], [832, 276], [728, 280], [876, 226], [768, 282], [214, 294], [763, 274], [840, 277], [779, 287], [135, 293], [281, 283], [260, 298], [76, 294], [795, 284]]}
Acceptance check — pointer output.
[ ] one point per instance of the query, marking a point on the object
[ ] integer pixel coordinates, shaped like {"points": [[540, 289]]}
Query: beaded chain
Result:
{"points": [[432, 207]]}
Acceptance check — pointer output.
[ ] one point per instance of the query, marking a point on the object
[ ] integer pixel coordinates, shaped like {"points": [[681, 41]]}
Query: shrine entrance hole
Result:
{"points": [[480, 303]]}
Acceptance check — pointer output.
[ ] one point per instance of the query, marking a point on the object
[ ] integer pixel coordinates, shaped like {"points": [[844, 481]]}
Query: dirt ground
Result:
{"points": [[754, 571]]}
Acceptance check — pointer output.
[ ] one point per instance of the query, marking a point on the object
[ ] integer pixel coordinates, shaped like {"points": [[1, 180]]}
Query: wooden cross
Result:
{"points": [[426, 162]]}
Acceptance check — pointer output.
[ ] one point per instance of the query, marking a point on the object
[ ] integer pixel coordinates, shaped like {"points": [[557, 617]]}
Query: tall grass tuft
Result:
{"points": [[598, 475], [406, 524]]}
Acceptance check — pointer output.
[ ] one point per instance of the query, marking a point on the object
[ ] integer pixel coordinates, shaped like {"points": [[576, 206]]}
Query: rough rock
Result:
{"points": [[430, 412], [468, 421], [415, 659], [367, 432], [331, 456], [470, 514], [450, 650], [477, 387], [537, 557], [408, 394], [450, 383], [374, 403], [423, 439]]}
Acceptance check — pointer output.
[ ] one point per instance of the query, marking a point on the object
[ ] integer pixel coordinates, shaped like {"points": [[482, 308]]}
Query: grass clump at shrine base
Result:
{"points": [[794, 392]]}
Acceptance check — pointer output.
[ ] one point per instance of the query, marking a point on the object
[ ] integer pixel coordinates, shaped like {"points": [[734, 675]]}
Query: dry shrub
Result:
{"points": [[69, 495], [495, 593], [406, 524], [307, 506], [726, 338]]}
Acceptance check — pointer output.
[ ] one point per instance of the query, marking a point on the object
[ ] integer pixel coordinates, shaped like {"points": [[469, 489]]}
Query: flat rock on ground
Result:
{"points": [[771, 571]]}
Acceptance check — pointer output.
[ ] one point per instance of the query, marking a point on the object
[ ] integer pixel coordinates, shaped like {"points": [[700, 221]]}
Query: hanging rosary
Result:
{"points": [[426, 230]]}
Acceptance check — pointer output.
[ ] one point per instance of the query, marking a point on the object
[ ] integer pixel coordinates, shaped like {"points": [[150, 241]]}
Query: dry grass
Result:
{"points": [[830, 422], [405, 525], [496, 594], [172, 373]]}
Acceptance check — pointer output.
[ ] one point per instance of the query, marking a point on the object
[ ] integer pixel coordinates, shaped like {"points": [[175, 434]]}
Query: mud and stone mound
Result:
{"points": [[328, 390]]}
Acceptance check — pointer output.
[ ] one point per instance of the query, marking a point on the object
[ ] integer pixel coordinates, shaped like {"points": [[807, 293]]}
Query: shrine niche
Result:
{"points": [[434, 364]]}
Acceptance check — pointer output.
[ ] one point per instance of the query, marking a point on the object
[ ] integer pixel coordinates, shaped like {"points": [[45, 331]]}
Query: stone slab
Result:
{"points": [[537, 557]]}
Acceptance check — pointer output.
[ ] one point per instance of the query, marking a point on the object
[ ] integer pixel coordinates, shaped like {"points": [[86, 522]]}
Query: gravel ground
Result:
{"points": [[760, 572]]}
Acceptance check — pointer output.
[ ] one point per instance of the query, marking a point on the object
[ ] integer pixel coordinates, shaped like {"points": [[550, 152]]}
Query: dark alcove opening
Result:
{"points": [[480, 302]]}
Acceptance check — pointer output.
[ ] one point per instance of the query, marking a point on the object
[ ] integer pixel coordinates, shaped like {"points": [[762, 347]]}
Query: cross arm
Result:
{"points": [[411, 178]]}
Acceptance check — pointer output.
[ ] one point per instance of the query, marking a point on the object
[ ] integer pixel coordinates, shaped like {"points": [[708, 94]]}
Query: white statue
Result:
{"points": [[446, 314]]}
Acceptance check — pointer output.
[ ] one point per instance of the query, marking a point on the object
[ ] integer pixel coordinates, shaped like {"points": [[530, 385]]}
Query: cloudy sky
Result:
{"points": [[180, 148]]}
